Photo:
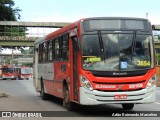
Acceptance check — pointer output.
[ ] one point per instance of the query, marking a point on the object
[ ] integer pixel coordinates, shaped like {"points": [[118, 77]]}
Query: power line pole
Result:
{"points": [[146, 15]]}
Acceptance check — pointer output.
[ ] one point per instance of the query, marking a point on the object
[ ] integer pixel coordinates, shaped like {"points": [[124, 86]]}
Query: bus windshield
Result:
{"points": [[26, 71], [116, 52], [7, 70]]}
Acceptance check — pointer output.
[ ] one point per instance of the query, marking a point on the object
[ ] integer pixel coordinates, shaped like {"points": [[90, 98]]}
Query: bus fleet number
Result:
{"points": [[143, 63]]}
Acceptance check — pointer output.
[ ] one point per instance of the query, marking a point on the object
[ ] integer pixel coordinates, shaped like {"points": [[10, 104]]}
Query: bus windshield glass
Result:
{"points": [[26, 71], [8, 70], [117, 52]]}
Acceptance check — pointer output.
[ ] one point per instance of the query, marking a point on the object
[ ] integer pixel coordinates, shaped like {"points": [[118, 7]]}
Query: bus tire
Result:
{"points": [[44, 96], [66, 99], [128, 106]]}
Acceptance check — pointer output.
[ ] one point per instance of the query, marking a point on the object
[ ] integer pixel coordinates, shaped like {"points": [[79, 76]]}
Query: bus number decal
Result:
{"points": [[135, 86], [143, 63]]}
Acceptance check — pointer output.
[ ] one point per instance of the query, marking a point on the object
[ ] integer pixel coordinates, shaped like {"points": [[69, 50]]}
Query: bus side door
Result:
{"points": [[75, 50]]}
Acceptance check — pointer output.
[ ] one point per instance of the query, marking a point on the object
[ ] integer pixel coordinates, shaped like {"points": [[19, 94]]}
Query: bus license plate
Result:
{"points": [[120, 97]]}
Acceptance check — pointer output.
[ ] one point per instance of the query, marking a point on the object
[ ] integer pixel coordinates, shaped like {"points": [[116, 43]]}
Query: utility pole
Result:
{"points": [[11, 61], [146, 15]]}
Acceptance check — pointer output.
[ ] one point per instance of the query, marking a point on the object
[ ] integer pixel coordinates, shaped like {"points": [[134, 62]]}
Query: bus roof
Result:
{"points": [[62, 30], [39, 40], [118, 18], [75, 24]]}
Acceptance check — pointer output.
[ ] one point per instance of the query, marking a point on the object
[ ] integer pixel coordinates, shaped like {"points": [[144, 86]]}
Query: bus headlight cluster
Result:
{"points": [[85, 83], [151, 82]]}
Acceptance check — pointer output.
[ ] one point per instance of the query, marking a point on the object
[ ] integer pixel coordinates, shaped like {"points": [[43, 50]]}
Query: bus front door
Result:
{"points": [[75, 67]]}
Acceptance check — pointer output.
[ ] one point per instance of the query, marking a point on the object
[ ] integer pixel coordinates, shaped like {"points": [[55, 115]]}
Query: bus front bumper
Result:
{"points": [[95, 97], [9, 77]]}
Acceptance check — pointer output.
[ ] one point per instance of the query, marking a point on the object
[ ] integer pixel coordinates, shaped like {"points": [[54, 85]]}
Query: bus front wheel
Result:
{"points": [[66, 99], [128, 106]]}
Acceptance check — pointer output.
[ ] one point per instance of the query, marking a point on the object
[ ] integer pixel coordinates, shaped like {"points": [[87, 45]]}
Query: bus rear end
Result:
{"points": [[117, 62]]}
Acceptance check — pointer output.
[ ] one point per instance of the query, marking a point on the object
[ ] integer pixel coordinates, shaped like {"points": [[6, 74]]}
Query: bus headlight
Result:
{"points": [[85, 83], [151, 82]]}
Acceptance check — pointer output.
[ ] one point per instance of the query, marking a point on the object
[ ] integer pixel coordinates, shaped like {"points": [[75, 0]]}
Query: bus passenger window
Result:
{"points": [[65, 46], [40, 53], [50, 51], [56, 48], [44, 52]]}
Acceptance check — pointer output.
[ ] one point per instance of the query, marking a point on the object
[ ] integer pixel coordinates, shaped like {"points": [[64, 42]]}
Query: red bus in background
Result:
{"points": [[7, 72], [98, 61], [23, 72]]}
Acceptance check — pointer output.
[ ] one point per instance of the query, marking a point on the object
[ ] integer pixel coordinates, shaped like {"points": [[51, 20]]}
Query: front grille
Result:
{"points": [[132, 82], [119, 90], [119, 100], [119, 73]]}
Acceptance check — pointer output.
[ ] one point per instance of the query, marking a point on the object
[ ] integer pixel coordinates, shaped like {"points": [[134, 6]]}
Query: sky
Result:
{"points": [[73, 10]]}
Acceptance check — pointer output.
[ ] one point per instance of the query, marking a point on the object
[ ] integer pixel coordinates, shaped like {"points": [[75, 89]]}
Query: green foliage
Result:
{"points": [[12, 31], [158, 58], [7, 59], [28, 64], [7, 12], [27, 51]]}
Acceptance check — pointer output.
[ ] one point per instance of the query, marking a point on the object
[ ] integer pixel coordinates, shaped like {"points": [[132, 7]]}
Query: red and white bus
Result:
{"points": [[23, 72], [98, 61], [7, 72]]}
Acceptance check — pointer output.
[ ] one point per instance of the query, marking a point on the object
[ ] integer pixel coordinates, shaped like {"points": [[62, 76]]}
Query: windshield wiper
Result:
{"points": [[101, 45], [133, 43]]}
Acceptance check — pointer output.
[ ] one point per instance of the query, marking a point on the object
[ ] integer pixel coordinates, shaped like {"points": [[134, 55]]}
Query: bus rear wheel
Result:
{"points": [[128, 106], [66, 99], [44, 96]]}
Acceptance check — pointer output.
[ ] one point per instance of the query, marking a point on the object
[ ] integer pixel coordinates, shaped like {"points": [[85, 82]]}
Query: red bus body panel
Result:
{"points": [[54, 86]]}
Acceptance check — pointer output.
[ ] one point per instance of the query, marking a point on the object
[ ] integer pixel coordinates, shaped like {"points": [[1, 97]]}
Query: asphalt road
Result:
{"points": [[23, 97]]}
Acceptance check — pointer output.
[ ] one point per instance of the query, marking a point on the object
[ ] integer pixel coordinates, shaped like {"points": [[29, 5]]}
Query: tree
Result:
{"points": [[7, 12], [26, 51], [10, 13]]}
